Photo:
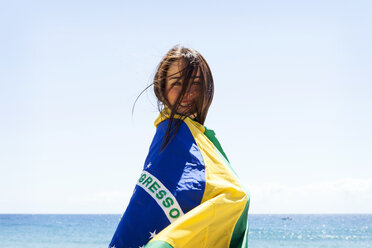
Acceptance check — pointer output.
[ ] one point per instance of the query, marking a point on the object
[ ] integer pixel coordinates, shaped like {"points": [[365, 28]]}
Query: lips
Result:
{"points": [[186, 104]]}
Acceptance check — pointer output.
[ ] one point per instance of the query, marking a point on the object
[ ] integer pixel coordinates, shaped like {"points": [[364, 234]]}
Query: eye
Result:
{"points": [[196, 82], [177, 83]]}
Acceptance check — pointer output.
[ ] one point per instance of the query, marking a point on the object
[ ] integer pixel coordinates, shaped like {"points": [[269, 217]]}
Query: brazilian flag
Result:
{"points": [[187, 195]]}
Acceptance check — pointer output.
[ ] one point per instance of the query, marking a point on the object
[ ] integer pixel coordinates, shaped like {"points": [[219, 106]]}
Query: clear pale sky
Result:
{"points": [[292, 105]]}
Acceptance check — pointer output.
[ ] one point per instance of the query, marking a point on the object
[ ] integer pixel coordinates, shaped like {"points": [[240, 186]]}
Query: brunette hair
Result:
{"points": [[192, 62]]}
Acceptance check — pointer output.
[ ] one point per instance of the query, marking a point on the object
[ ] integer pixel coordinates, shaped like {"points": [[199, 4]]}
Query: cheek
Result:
{"points": [[173, 95]]}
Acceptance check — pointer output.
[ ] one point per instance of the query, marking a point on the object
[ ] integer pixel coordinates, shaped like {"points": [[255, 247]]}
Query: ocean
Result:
{"points": [[265, 231]]}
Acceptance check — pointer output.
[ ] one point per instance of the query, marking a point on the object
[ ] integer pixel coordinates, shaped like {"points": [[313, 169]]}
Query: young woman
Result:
{"points": [[187, 194]]}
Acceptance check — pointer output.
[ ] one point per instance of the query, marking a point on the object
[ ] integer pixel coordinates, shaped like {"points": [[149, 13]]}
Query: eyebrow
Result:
{"points": [[174, 77]]}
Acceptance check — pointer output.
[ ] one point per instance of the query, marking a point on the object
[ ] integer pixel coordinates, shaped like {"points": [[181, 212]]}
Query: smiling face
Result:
{"points": [[173, 89]]}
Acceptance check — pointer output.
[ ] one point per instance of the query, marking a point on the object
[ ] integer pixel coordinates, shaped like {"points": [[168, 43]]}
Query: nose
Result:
{"points": [[190, 93], [192, 90], [187, 97]]}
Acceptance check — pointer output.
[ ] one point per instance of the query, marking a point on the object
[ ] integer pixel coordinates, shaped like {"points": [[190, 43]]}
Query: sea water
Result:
{"points": [[94, 231], [323, 231]]}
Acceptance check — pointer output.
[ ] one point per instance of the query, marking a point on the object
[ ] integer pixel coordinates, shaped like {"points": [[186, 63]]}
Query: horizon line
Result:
{"points": [[248, 213]]}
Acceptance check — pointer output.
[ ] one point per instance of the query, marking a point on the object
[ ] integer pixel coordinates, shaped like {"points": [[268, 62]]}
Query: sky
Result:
{"points": [[292, 103]]}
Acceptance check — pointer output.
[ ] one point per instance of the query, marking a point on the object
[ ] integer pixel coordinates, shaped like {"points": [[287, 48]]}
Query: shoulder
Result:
{"points": [[180, 135], [182, 148]]}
